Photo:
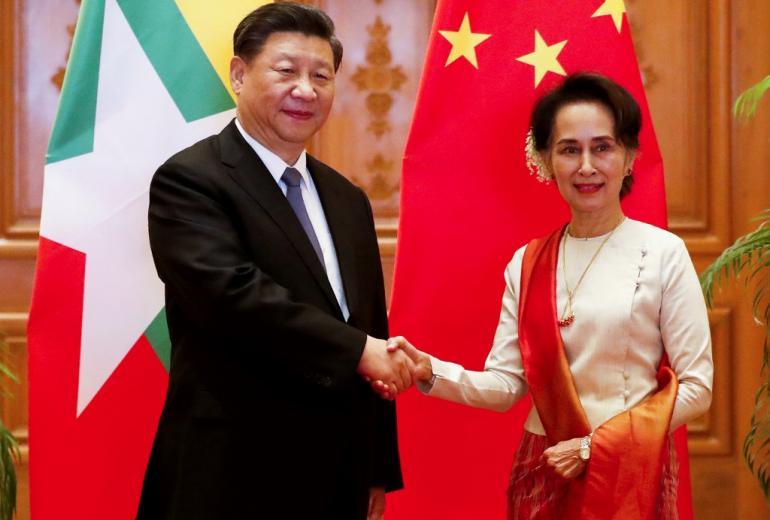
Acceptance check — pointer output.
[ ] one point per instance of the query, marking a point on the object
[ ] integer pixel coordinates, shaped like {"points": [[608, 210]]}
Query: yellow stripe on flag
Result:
{"points": [[213, 25]]}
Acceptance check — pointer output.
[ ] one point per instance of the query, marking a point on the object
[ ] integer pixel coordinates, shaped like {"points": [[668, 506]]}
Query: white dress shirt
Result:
{"points": [[276, 166], [640, 297]]}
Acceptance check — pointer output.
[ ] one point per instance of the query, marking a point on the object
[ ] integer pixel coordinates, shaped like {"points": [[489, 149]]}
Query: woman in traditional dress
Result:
{"points": [[602, 321]]}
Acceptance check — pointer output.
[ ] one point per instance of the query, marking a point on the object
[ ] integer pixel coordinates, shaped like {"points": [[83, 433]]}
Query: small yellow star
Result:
{"points": [[544, 58], [613, 8], [464, 42]]}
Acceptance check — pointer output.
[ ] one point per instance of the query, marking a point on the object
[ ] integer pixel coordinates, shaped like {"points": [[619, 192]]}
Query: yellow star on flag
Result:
{"points": [[464, 42], [544, 58], [613, 8]]}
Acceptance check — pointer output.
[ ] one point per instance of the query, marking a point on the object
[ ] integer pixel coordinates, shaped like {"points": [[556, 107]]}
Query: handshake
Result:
{"points": [[392, 367]]}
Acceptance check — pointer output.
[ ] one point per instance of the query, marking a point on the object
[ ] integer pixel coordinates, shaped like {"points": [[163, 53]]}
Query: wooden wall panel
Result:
{"points": [[34, 41], [690, 54], [16, 247], [749, 188], [678, 55], [42, 33], [711, 434]]}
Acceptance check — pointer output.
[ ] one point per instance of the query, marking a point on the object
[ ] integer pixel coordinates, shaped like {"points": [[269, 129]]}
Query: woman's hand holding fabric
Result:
{"points": [[564, 458]]}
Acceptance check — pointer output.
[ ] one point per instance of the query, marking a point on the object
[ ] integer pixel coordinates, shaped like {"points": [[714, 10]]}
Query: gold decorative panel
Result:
{"points": [[377, 84], [379, 79]]}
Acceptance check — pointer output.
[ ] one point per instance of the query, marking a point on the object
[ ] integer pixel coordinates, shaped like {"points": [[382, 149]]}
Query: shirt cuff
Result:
{"points": [[438, 368]]}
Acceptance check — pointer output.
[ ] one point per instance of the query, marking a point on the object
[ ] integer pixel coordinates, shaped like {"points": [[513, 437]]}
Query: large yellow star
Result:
{"points": [[464, 42], [613, 8], [544, 58]]}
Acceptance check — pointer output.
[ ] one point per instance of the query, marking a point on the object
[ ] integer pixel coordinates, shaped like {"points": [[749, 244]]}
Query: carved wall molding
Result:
{"points": [[30, 34], [377, 84], [58, 78], [379, 79], [380, 183]]}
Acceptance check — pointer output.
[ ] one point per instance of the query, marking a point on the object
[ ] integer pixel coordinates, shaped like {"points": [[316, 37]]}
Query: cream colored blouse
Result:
{"points": [[640, 297]]}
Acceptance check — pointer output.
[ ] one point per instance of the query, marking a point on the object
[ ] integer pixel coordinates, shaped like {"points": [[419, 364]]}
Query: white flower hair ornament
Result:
{"points": [[535, 164]]}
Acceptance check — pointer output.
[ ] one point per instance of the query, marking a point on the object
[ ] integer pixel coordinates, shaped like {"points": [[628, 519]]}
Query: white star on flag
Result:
{"points": [[97, 203]]}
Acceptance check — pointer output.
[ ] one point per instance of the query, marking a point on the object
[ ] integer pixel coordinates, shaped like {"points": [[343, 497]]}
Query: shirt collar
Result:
{"points": [[274, 164]]}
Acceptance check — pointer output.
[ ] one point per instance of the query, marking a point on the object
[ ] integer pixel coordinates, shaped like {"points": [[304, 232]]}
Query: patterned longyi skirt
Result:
{"points": [[535, 491]]}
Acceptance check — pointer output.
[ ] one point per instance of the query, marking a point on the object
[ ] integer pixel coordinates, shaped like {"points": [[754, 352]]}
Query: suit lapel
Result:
{"points": [[338, 218], [248, 171]]}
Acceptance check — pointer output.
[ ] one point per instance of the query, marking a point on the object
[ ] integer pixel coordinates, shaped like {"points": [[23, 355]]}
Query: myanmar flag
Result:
{"points": [[145, 79], [468, 202]]}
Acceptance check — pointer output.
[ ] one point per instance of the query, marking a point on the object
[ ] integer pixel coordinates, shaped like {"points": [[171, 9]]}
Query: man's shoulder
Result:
{"points": [[204, 149], [208, 148], [322, 172]]}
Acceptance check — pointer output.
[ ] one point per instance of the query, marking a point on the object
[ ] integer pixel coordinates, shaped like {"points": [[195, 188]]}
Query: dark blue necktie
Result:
{"points": [[292, 179]]}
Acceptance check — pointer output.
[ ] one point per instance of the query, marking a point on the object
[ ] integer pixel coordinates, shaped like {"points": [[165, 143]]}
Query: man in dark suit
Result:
{"points": [[275, 304]]}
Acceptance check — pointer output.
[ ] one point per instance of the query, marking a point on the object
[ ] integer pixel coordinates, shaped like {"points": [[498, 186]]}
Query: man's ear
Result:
{"points": [[237, 71]]}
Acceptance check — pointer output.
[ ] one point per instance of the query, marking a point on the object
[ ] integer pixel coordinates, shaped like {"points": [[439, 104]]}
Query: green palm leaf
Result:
{"points": [[9, 449], [749, 257], [747, 103]]}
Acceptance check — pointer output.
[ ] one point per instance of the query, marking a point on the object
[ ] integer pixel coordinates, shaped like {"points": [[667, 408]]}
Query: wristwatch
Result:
{"points": [[585, 448]]}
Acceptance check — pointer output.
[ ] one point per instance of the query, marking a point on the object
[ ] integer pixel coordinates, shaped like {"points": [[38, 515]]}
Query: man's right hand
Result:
{"points": [[423, 370], [393, 369]]}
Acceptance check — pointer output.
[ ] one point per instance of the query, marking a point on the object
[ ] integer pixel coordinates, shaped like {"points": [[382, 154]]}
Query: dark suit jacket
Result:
{"points": [[265, 415]]}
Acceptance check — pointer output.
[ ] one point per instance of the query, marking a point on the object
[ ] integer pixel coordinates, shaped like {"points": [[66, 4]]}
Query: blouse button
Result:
{"points": [[626, 375], [626, 393]]}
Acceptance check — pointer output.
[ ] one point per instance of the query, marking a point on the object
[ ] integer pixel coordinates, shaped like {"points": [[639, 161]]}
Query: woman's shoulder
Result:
{"points": [[650, 235], [514, 266], [515, 263]]}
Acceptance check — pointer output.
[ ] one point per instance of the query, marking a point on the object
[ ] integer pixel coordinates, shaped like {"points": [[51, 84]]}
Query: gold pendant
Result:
{"points": [[566, 322]]}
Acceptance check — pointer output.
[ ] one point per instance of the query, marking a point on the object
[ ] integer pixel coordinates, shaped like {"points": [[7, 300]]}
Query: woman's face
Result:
{"points": [[587, 161]]}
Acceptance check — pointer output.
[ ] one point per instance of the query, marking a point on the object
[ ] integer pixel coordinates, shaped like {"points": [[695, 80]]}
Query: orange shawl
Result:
{"points": [[623, 477]]}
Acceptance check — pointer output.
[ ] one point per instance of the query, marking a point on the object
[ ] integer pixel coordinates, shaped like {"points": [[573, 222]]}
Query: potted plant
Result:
{"points": [[750, 256]]}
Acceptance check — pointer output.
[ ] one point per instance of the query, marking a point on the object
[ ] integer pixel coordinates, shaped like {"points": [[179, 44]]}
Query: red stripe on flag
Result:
{"points": [[87, 467]]}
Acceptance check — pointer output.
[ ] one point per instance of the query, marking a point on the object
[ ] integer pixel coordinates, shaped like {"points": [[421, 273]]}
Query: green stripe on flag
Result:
{"points": [[73, 130], [178, 58], [157, 335]]}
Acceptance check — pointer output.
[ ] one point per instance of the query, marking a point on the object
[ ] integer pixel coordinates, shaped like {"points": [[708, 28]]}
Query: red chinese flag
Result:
{"points": [[468, 202]]}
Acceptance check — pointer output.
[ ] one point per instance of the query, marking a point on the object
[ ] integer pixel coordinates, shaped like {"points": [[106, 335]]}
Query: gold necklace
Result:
{"points": [[567, 316]]}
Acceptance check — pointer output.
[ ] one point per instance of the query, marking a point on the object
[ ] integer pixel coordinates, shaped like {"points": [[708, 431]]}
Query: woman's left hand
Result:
{"points": [[564, 458]]}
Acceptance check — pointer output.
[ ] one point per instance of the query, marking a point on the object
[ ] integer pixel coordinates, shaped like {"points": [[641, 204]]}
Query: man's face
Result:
{"points": [[285, 92]]}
